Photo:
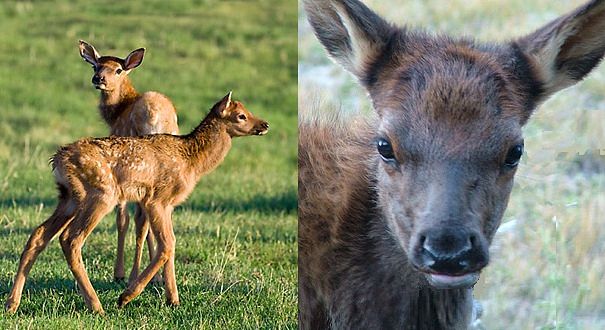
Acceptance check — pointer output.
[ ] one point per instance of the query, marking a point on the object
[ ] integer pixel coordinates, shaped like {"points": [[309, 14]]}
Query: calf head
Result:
{"points": [[238, 120], [110, 72], [450, 117]]}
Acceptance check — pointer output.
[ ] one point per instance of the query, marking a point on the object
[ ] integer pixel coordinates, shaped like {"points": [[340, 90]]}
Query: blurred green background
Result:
{"points": [[236, 234], [547, 266]]}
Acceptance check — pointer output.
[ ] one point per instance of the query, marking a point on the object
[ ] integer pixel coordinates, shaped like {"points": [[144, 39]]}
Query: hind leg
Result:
{"points": [[151, 248], [72, 239], [142, 230], [38, 240], [142, 233], [122, 221], [162, 228]]}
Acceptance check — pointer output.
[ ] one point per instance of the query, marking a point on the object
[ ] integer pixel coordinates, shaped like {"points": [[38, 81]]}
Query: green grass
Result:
{"points": [[547, 270], [236, 234]]}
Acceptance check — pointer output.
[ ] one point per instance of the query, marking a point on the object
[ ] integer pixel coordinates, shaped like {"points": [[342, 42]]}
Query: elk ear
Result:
{"points": [[220, 108], [351, 33], [88, 52], [134, 59], [564, 51]]}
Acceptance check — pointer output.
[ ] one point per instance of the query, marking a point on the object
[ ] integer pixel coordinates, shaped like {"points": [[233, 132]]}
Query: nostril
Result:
{"points": [[422, 240], [472, 241], [426, 246]]}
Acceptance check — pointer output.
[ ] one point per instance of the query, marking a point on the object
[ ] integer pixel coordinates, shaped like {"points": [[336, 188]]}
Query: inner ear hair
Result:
{"points": [[564, 51]]}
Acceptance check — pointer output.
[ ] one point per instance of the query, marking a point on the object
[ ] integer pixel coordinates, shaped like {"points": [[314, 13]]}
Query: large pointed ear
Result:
{"points": [[564, 51], [352, 34], [134, 59], [220, 108], [88, 52]]}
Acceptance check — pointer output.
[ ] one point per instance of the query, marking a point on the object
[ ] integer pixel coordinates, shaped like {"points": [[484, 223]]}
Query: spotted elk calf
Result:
{"points": [[128, 113], [397, 211], [156, 171]]}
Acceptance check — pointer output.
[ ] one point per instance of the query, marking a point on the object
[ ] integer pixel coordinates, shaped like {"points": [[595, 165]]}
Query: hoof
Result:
{"points": [[122, 300], [100, 311], [11, 307], [173, 303]]}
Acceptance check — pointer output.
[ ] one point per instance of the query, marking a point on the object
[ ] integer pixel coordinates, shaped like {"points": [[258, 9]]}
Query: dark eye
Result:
{"points": [[385, 150], [118, 71], [513, 156], [241, 116]]}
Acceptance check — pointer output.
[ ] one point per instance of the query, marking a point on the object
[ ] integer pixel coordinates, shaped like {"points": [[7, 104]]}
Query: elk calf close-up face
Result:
{"points": [[423, 183], [448, 142]]}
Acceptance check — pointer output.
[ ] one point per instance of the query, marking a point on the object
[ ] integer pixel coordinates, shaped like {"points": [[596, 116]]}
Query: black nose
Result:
{"points": [[451, 251], [264, 125], [96, 79]]}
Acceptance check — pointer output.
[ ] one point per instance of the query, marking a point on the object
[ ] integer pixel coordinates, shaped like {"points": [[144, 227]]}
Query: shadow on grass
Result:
{"points": [[38, 286], [20, 202], [66, 287], [63, 286], [285, 202]]}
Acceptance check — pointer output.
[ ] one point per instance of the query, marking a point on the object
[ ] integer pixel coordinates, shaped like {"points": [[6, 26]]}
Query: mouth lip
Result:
{"points": [[100, 86], [263, 132], [452, 281]]}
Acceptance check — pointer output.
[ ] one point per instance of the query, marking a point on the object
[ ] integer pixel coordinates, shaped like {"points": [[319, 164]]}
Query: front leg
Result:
{"points": [[172, 294], [161, 225]]}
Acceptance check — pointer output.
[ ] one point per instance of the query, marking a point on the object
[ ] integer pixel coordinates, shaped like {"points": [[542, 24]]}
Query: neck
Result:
{"points": [[208, 145], [443, 309], [114, 102]]}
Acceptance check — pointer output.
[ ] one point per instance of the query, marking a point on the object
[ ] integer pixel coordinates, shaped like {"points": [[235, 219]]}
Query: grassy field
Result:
{"points": [[236, 235], [548, 264]]}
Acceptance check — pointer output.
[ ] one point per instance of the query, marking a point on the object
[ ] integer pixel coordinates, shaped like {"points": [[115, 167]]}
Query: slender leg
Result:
{"points": [[151, 244], [72, 240], [172, 294], [142, 230], [122, 221], [151, 247], [162, 229], [38, 240]]}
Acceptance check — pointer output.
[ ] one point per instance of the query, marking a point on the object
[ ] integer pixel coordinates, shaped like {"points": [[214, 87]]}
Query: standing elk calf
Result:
{"points": [[128, 113], [156, 171], [397, 211]]}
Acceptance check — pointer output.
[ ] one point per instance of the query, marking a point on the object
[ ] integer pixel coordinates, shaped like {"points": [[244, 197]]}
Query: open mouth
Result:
{"points": [[443, 281], [262, 132], [100, 86]]}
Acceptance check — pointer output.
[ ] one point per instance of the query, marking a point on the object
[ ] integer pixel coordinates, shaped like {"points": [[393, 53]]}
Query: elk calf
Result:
{"points": [[128, 113], [156, 171], [397, 211]]}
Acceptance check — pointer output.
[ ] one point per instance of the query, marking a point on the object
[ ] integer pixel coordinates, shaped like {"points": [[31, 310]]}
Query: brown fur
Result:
{"points": [[156, 171], [396, 237], [129, 113]]}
